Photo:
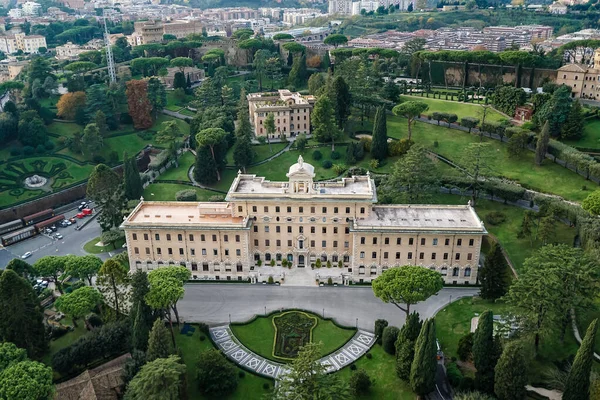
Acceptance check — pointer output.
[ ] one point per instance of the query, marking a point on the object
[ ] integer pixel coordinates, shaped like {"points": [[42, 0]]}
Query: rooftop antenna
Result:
{"points": [[109, 57]]}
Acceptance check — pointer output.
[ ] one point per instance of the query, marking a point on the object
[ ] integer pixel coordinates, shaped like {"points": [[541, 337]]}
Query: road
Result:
{"points": [[42, 245], [220, 302]]}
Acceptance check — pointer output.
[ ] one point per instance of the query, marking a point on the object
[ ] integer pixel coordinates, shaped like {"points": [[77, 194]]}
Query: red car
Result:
{"points": [[87, 211], [80, 215]]}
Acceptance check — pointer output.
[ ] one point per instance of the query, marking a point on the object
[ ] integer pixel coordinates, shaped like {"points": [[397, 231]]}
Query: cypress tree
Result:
{"points": [[243, 154], [379, 145], [511, 373], [325, 61], [405, 345], [205, 169], [484, 350], [573, 126], [493, 275], [424, 366], [159, 342], [542, 144], [133, 181], [188, 82], [338, 92], [179, 80], [578, 381], [141, 331], [142, 316], [297, 76]]}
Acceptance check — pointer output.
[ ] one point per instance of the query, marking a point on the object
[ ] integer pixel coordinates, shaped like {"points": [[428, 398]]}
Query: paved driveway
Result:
{"points": [[217, 303]]}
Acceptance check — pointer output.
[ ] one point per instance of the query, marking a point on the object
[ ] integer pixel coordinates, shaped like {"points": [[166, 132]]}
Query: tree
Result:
{"points": [[270, 128], [573, 126], [83, 267], [410, 110], [140, 107], [10, 354], [179, 82], [379, 145], [465, 347], [308, 380], [169, 133], [243, 154], [469, 122], [390, 335], [494, 274], [143, 317], [336, 40], [205, 168], [341, 100], [260, 65], [316, 83], [32, 131], [79, 303], [511, 373], [159, 379], [21, 317], [555, 111], [182, 63], [297, 75], [301, 142], [405, 345], [105, 188], [484, 357], [165, 292], [216, 376], [100, 121], [578, 381], [323, 121], [391, 91], [159, 342], [408, 284], [26, 380], [69, 103], [380, 325], [22, 268], [476, 160], [517, 143], [96, 99], [591, 203], [411, 180], [111, 281], [180, 273], [51, 266], [541, 147], [132, 182], [424, 366], [360, 383], [157, 95], [211, 138], [91, 141], [282, 36]]}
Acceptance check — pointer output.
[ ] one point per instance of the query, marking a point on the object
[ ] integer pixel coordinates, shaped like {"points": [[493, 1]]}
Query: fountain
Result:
{"points": [[35, 181]]}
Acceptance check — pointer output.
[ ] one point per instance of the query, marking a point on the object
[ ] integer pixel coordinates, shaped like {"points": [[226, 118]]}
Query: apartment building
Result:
{"points": [[261, 223], [583, 80], [340, 7], [19, 41], [291, 112]]}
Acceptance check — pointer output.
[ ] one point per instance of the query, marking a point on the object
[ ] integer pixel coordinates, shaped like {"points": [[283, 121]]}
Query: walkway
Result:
{"points": [[233, 349]]}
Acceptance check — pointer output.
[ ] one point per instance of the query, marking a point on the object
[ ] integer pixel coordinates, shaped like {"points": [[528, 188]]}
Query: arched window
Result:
{"points": [[455, 272], [468, 271], [267, 256], [444, 271]]}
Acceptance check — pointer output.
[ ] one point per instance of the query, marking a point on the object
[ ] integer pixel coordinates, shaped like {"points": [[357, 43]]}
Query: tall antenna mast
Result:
{"points": [[109, 57]]}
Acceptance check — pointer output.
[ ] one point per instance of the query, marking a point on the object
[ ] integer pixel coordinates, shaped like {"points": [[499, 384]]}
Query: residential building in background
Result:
{"points": [[583, 80], [291, 112], [19, 41], [262, 223], [340, 7]]}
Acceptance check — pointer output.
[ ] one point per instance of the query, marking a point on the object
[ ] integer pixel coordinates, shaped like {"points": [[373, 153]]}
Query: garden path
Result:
{"points": [[233, 349]]}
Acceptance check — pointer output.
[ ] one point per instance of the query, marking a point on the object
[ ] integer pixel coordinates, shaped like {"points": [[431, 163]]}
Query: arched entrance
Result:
{"points": [[301, 261]]}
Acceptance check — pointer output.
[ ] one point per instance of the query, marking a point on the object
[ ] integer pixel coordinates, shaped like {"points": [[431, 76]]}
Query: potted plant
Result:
{"points": [[259, 263], [318, 263], [340, 264], [284, 263], [272, 263], [328, 264]]}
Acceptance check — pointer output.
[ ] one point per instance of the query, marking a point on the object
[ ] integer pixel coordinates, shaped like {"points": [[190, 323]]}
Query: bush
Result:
{"points": [[40, 149], [380, 325], [271, 281], [495, 218], [369, 356], [202, 338], [326, 164], [329, 281], [399, 147], [203, 328], [360, 383], [374, 164], [241, 374], [57, 331], [390, 334], [316, 155], [353, 367], [98, 159], [16, 151], [435, 143], [266, 386], [455, 377], [467, 384], [366, 145], [126, 119], [94, 320], [339, 168], [335, 155], [145, 135], [28, 150], [216, 376], [186, 195], [49, 145], [465, 346]]}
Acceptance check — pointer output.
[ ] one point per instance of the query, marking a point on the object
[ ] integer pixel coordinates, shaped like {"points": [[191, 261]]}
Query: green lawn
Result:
{"points": [[591, 135], [259, 336], [548, 178], [261, 152], [227, 177], [454, 107], [167, 191], [190, 347], [173, 103], [91, 247], [276, 169], [381, 368], [181, 172], [67, 129]]}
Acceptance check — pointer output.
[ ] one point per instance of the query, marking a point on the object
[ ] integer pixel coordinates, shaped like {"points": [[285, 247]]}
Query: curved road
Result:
{"points": [[218, 303]]}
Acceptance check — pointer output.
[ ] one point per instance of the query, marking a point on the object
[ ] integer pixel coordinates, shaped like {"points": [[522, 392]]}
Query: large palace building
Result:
{"points": [[262, 223]]}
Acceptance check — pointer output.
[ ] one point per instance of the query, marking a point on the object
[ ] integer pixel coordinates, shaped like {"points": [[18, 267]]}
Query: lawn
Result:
{"points": [[67, 129], [261, 152], [277, 169], [548, 178], [91, 247], [454, 107], [166, 192], [381, 368], [506, 232], [173, 103], [259, 336], [181, 172], [591, 135], [190, 347]]}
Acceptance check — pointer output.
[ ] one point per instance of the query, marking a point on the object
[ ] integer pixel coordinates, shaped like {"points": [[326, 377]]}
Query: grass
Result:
{"points": [[67, 129], [91, 247], [518, 249], [250, 386], [591, 135], [454, 107], [381, 368], [181, 172], [549, 177], [167, 191], [259, 336], [261, 152], [277, 169]]}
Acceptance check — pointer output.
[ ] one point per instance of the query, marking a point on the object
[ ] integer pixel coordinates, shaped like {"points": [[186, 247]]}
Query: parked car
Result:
{"points": [[72, 220], [82, 205], [26, 255], [58, 236], [53, 228], [87, 211], [41, 285], [48, 231]]}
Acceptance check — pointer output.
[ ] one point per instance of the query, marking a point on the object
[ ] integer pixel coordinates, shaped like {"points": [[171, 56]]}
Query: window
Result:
{"points": [[191, 237], [454, 271], [238, 268], [362, 240], [459, 242], [445, 256], [335, 210], [411, 241], [289, 243], [362, 254], [385, 255], [447, 242], [289, 209], [135, 236], [398, 241], [215, 252], [267, 242], [323, 243], [203, 252], [301, 229], [180, 252], [469, 256], [156, 236], [145, 236], [467, 271], [312, 229], [168, 237], [194, 267], [335, 229], [255, 228], [410, 255], [347, 231], [312, 210], [266, 228], [266, 208], [324, 230], [335, 243], [214, 238], [226, 252], [346, 258], [362, 210], [435, 242], [179, 237], [324, 210], [237, 238], [386, 241], [301, 209], [268, 257], [374, 240], [289, 229], [433, 256], [240, 209], [312, 243], [254, 209], [397, 255], [147, 250], [347, 210], [193, 252], [422, 241], [226, 238], [158, 251], [278, 243], [277, 229], [471, 242], [421, 256], [256, 242], [204, 266], [374, 255], [277, 209], [136, 250], [202, 238], [457, 256]]}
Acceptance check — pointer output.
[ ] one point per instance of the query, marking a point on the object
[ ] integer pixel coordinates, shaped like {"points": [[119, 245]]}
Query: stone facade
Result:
{"points": [[583, 80], [291, 112], [262, 223]]}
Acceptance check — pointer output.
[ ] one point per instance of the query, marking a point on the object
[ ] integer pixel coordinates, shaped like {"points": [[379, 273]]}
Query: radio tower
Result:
{"points": [[109, 57]]}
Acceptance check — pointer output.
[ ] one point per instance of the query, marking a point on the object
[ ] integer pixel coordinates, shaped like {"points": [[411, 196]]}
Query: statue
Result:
{"points": [[300, 161]]}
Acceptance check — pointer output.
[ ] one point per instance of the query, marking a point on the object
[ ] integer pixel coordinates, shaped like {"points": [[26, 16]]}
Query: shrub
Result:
{"points": [[380, 325], [495, 218], [266, 386], [465, 346], [374, 164], [40, 149], [435, 143], [271, 281], [28, 150], [202, 338], [467, 384], [146, 135], [16, 151], [388, 341], [369, 356], [316, 155], [329, 281], [360, 383], [353, 367], [335, 155], [98, 159], [455, 377], [241, 374], [126, 119], [57, 331], [203, 328], [339, 168], [399, 147], [186, 195], [366, 145], [49, 145], [94, 320], [326, 164], [216, 376]]}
